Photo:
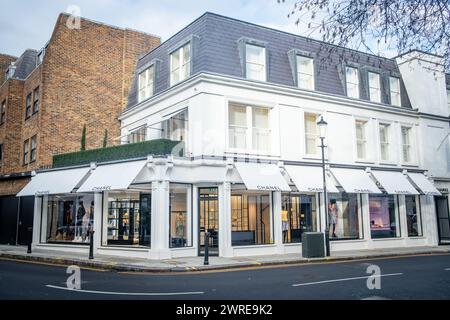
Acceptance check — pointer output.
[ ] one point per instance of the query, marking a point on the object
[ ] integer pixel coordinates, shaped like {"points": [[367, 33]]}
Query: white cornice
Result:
{"points": [[276, 89]]}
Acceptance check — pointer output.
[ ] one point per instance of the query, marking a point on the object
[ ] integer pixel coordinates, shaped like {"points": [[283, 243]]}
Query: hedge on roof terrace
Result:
{"points": [[122, 152]]}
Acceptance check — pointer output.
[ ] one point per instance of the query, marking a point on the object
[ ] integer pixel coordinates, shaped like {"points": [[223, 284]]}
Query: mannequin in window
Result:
{"points": [[285, 224], [80, 214], [85, 227], [179, 227], [332, 216]]}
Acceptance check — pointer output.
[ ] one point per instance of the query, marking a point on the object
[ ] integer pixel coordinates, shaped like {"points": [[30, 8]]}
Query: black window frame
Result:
{"points": [[28, 106], [1, 153], [2, 112], [36, 101], [33, 151], [26, 155]]}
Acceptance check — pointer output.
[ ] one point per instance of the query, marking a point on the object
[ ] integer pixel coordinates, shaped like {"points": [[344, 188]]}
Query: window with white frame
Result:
{"points": [[249, 128], [406, 144], [311, 134], [137, 135], [384, 130], [305, 72], [361, 139], [180, 64], [374, 87], [146, 79], [176, 128], [33, 149], [255, 62], [448, 101], [394, 85], [352, 79]]}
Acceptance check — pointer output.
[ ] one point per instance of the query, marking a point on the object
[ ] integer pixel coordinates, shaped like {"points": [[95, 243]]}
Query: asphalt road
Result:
{"points": [[419, 277]]}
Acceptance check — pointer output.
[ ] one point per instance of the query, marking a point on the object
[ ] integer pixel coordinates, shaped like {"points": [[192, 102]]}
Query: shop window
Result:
{"points": [[394, 85], [138, 135], [180, 216], [384, 130], [352, 79], [249, 128], [251, 218], [311, 134], [3, 113], [255, 62], [146, 80], [36, 100], [344, 216], [384, 221], [28, 106], [70, 218], [413, 216], [180, 64], [129, 219], [305, 72], [298, 215], [374, 87]]}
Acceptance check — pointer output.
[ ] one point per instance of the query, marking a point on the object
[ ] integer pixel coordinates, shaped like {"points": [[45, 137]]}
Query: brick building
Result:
{"points": [[80, 78]]}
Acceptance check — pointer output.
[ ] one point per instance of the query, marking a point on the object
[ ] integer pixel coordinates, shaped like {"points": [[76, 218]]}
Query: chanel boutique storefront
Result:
{"points": [[160, 208]]}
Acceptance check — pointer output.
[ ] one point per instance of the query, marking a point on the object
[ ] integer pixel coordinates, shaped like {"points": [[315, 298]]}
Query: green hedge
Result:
{"points": [[121, 152]]}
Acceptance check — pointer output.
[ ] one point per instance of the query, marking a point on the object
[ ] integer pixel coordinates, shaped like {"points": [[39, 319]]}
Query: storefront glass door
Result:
{"points": [[209, 220], [443, 216]]}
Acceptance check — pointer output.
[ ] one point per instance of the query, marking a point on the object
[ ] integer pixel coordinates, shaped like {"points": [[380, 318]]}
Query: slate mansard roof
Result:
{"points": [[217, 51], [25, 64]]}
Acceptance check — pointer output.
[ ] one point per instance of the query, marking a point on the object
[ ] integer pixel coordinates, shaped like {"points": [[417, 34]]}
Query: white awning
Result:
{"points": [[394, 182], [262, 177], [424, 184], [355, 181], [117, 176], [309, 179], [54, 182]]}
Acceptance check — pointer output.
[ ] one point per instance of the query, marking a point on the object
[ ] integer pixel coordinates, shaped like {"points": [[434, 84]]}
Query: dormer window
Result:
{"points": [[146, 81], [374, 87], [180, 64], [394, 85], [255, 62], [305, 72], [352, 80]]}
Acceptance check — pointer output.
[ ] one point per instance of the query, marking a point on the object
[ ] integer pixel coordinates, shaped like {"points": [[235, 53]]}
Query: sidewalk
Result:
{"points": [[196, 263]]}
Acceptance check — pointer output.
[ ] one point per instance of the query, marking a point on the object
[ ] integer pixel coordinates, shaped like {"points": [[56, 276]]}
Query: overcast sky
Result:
{"points": [[29, 23]]}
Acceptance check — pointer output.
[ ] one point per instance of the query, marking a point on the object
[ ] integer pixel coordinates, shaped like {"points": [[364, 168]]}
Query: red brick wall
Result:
{"points": [[5, 62]]}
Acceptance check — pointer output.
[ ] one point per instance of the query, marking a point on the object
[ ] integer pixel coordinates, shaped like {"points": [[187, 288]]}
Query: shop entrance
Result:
{"points": [[443, 219], [209, 220]]}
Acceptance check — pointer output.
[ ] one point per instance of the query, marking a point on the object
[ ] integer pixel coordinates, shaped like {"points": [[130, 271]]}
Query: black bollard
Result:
{"points": [[91, 244], [206, 262], [30, 230]]}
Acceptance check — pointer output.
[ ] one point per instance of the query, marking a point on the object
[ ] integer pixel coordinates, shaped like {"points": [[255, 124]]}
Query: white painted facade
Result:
{"points": [[207, 98]]}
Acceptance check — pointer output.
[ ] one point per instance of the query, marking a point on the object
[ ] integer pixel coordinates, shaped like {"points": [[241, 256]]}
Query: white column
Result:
{"points": [[160, 220], [37, 220], [195, 218], [98, 220], [365, 218], [277, 228], [225, 248], [403, 224], [429, 220], [44, 217]]}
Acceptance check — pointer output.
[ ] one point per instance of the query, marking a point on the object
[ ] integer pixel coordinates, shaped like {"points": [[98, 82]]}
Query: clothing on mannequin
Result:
{"points": [[332, 216], [80, 214]]}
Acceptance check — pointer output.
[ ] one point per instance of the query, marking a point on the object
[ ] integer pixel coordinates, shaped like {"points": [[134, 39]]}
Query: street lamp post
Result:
{"points": [[322, 125]]}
